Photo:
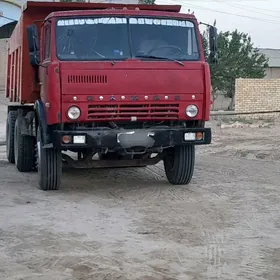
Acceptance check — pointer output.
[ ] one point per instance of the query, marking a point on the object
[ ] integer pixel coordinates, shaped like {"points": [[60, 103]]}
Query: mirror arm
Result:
{"points": [[43, 66], [203, 23]]}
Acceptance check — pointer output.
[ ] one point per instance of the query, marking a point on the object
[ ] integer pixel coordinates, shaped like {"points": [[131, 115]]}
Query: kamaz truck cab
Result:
{"points": [[126, 83]]}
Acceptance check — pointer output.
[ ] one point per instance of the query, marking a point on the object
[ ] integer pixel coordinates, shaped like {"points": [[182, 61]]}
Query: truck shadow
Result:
{"points": [[111, 185], [107, 179]]}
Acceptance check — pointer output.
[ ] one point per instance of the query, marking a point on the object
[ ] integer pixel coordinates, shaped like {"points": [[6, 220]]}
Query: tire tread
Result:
{"points": [[51, 169], [184, 160], [25, 157]]}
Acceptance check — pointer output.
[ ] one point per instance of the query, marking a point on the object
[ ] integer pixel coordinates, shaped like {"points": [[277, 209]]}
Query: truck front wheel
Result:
{"points": [[179, 164], [23, 150], [49, 165]]}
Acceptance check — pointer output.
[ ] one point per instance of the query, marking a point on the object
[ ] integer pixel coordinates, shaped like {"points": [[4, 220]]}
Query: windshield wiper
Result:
{"points": [[97, 53], [160, 57]]}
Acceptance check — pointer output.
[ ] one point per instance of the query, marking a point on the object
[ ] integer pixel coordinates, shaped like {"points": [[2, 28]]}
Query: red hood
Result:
{"points": [[162, 90], [131, 78]]}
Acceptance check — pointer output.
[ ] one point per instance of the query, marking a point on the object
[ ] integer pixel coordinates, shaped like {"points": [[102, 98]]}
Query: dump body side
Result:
{"points": [[21, 86]]}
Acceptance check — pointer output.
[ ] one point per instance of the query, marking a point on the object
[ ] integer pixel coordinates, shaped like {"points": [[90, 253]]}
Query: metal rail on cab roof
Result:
{"points": [[66, 6]]}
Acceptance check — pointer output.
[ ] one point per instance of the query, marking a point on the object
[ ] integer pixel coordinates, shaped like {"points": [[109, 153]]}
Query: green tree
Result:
{"points": [[205, 45], [237, 58]]}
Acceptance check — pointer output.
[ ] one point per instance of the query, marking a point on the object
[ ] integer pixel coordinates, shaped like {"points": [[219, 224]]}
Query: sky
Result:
{"points": [[259, 18]]}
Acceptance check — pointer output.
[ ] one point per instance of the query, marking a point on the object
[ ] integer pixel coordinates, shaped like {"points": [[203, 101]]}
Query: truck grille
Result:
{"points": [[139, 111]]}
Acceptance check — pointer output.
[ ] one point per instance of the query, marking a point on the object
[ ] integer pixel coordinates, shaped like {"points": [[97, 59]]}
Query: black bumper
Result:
{"points": [[115, 139]]}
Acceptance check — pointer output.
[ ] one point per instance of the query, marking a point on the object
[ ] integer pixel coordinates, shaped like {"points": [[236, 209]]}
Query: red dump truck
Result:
{"points": [[116, 85]]}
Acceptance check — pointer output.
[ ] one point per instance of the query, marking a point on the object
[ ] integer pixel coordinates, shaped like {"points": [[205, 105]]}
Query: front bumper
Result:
{"points": [[117, 139]]}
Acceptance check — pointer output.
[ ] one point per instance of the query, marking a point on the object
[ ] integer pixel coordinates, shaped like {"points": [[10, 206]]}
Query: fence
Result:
{"points": [[257, 96]]}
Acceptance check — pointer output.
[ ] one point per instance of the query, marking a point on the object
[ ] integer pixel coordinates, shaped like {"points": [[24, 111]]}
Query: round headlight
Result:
{"points": [[73, 113], [191, 111]]}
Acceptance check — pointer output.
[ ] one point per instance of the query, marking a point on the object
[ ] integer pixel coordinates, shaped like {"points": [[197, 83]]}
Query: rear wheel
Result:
{"points": [[23, 150], [49, 165], [10, 130], [179, 164]]}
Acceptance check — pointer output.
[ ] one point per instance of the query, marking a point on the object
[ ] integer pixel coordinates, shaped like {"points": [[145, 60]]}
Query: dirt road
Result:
{"points": [[131, 224]]}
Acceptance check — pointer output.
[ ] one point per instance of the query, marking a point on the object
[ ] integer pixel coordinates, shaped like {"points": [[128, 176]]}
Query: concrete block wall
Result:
{"points": [[257, 95], [3, 62]]}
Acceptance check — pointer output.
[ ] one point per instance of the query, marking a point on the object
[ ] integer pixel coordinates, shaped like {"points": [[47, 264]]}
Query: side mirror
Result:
{"points": [[213, 44], [33, 44]]}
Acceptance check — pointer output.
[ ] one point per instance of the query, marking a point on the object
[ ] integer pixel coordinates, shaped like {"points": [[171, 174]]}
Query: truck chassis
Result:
{"points": [[28, 149]]}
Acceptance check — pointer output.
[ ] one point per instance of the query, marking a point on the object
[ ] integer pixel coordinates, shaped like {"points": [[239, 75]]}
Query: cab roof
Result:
{"points": [[70, 6], [65, 9]]}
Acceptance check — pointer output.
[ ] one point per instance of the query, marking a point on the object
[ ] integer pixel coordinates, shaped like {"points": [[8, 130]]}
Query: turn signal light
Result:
{"points": [[199, 136], [66, 139]]}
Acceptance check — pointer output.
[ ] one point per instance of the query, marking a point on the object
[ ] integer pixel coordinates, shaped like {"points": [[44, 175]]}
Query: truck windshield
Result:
{"points": [[116, 38]]}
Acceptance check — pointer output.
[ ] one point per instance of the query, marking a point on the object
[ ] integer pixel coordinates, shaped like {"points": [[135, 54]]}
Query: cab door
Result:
{"points": [[45, 62]]}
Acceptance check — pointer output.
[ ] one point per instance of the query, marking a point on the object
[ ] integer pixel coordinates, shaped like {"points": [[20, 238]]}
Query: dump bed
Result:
{"points": [[20, 85]]}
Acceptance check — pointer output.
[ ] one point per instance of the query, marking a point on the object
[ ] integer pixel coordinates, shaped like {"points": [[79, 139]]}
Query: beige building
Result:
{"points": [[9, 14], [273, 71]]}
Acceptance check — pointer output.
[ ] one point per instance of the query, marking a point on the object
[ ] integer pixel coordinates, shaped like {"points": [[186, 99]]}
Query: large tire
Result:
{"points": [[23, 150], [10, 129], [49, 164], [179, 164]]}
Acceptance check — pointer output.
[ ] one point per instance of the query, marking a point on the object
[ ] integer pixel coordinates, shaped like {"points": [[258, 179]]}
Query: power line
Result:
{"points": [[211, 1], [2, 16], [250, 10], [257, 8], [238, 15], [222, 12]]}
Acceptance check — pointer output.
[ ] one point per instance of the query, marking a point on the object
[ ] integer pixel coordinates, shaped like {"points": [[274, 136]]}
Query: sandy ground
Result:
{"points": [[130, 224]]}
